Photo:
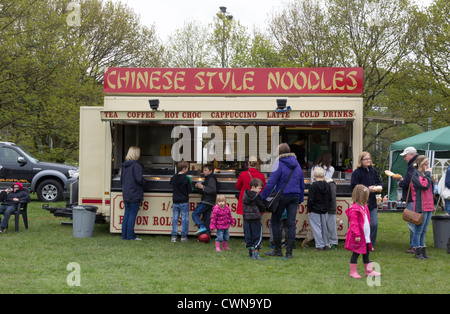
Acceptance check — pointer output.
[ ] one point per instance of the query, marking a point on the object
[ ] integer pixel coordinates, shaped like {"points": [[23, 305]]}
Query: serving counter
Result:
{"points": [[155, 212]]}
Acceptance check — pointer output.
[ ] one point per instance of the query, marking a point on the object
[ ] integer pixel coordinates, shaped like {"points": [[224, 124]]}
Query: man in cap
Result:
{"points": [[409, 155]]}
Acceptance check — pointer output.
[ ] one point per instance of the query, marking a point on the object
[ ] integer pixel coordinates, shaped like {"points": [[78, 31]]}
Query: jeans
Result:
{"points": [[290, 203], [222, 235], [129, 220], [373, 225], [205, 210], [411, 226], [421, 230], [183, 210], [447, 206], [7, 210]]}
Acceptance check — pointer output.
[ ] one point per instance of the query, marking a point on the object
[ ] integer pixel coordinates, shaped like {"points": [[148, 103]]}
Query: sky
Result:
{"points": [[169, 15]]}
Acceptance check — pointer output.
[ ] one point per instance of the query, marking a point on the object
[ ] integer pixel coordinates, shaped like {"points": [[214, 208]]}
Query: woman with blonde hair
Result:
{"points": [[367, 175], [422, 194], [131, 177]]}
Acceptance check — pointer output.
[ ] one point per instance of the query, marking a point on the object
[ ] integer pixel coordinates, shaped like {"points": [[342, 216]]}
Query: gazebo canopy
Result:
{"points": [[435, 144], [437, 140]]}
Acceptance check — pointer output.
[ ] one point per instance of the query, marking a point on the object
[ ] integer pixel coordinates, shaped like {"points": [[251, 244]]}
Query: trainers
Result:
{"points": [[173, 239], [2, 230], [200, 231], [184, 239]]}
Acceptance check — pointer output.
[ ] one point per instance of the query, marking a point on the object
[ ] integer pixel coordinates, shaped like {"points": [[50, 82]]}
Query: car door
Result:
{"points": [[14, 167]]}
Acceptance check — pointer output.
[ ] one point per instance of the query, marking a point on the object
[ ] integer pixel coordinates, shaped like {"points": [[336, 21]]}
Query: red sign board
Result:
{"points": [[234, 81]]}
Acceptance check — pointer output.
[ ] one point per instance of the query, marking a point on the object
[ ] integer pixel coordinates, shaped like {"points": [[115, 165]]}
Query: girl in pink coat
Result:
{"points": [[358, 234], [221, 220]]}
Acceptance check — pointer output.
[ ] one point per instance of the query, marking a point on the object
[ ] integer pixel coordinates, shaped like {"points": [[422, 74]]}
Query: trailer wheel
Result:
{"points": [[49, 191]]}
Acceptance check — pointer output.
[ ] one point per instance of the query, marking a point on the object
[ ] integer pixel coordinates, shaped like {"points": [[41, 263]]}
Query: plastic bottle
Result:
{"points": [[385, 202]]}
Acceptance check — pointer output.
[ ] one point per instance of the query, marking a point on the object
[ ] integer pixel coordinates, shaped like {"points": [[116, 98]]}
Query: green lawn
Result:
{"points": [[35, 261]]}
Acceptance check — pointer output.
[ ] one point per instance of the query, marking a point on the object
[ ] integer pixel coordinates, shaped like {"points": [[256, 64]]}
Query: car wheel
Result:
{"points": [[49, 191]]}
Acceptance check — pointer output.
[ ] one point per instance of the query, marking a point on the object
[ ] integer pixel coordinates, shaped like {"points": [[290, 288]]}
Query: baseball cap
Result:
{"points": [[409, 150]]}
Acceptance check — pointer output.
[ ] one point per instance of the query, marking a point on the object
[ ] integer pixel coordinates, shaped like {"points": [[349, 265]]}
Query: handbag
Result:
{"points": [[411, 216], [238, 193], [443, 191], [274, 198]]}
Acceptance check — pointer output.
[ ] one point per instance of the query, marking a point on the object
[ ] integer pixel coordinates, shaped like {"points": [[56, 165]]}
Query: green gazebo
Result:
{"points": [[434, 144]]}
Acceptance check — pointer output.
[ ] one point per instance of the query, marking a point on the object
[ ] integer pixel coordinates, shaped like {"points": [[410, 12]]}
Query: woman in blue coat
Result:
{"points": [[367, 175], [292, 195], [131, 177]]}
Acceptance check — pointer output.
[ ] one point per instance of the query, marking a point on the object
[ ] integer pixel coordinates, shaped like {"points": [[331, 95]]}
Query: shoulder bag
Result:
{"points": [[409, 215], [444, 191], [238, 193], [274, 198]]}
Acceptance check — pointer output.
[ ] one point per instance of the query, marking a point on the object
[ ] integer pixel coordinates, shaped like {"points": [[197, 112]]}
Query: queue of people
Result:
{"points": [[212, 213]]}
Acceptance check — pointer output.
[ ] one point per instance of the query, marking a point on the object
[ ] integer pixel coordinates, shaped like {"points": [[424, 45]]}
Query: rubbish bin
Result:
{"points": [[83, 221], [441, 231]]}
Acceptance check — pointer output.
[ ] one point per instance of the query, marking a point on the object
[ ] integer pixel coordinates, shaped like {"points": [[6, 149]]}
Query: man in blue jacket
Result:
{"points": [[292, 195]]}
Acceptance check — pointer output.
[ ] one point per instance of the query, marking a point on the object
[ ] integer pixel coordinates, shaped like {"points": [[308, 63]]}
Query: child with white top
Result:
{"points": [[358, 234]]}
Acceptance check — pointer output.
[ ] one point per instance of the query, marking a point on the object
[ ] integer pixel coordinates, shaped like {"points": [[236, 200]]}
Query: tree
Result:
{"points": [[263, 53], [436, 44], [49, 67], [112, 35], [302, 33], [379, 36], [230, 42], [189, 46]]}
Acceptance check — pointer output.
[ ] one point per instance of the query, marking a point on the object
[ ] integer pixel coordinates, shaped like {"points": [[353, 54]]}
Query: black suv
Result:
{"points": [[48, 180]]}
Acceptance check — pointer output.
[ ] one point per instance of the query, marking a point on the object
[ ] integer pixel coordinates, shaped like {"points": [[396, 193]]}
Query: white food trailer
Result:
{"points": [[219, 116]]}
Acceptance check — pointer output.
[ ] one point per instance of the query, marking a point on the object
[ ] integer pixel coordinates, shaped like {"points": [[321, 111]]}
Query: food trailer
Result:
{"points": [[217, 116]]}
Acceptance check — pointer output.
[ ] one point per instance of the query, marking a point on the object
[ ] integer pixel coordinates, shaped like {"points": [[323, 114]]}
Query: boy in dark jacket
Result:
{"points": [[319, 201], [10, 198], [253, 206], [181, 186], [208, 189]]}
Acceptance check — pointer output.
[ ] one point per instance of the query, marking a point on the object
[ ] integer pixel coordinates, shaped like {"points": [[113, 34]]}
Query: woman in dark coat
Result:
{"points": [[367, 175], [132, 180], [292, 196]]}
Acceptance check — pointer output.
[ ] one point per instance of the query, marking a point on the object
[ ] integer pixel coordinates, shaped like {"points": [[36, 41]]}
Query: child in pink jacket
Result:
{"points": [[358, 234], [221, 220]]}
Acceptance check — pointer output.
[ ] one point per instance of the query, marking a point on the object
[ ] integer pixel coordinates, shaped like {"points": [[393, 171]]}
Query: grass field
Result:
{"points": [[36, 260]]}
